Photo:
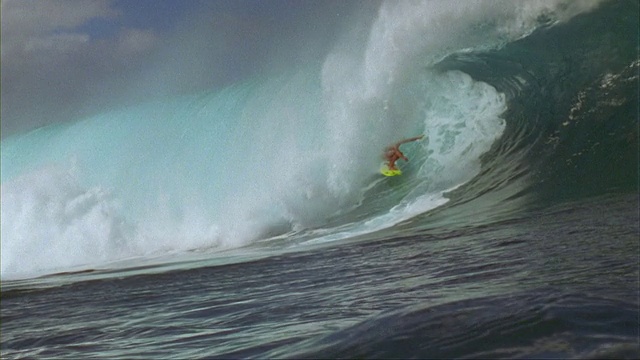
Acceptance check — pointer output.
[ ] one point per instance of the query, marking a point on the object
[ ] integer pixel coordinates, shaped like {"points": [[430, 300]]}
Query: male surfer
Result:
{"points": [[393, 153]]}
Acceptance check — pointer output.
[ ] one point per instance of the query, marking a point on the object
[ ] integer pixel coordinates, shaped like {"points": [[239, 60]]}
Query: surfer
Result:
{"points": [[393, 153]]}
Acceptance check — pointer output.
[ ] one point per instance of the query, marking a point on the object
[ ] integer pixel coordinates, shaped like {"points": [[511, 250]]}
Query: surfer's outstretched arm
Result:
{"points": [[409, 140]]}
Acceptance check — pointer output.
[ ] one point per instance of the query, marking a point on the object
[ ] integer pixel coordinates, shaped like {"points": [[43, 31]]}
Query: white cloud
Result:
{"points": [[135, 41], [63, 43], [37, 17], [50, 67], [31, 27]]}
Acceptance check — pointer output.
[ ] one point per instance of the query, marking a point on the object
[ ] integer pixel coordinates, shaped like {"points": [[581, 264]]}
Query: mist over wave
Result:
{"points": [[276, 154]]}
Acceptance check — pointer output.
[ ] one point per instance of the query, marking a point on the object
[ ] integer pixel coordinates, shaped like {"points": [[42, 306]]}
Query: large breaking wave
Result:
{"points": [[296, 154]]}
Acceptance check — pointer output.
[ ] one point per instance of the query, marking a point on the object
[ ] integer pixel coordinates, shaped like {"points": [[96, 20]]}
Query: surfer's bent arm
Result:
{"points": [[395, 152]]}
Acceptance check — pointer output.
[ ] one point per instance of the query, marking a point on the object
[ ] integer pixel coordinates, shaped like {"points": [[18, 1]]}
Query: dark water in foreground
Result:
{"points": [[557, 283]]}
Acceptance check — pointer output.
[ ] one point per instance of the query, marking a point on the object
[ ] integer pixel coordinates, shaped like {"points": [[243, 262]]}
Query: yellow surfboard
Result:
{"points": [[384, 170]]}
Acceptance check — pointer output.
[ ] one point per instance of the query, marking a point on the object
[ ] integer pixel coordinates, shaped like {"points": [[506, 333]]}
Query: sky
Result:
{"points": [[66, 59]]}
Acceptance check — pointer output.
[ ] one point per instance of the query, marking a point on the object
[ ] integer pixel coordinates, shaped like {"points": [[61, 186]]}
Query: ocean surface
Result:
{"points": [[252, 221]]}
